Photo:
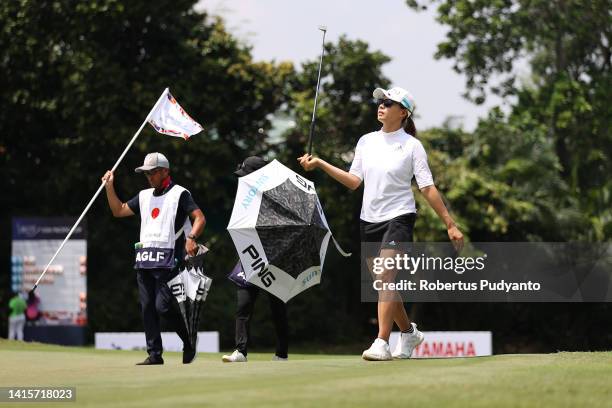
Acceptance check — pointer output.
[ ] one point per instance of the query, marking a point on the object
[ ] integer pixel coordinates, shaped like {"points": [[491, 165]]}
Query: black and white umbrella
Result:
{"points": [[279, 230], [190, 288]]}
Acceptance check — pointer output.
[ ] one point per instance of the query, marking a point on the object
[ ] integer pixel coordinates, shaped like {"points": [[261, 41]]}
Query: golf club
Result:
{"points": [[314, 110]]}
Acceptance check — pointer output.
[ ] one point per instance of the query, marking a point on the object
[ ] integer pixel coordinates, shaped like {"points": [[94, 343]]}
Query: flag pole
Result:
{"points": [[97, 193]]}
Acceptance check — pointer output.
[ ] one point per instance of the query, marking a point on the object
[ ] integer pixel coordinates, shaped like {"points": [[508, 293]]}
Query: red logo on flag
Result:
{"points": [[155, 212]]}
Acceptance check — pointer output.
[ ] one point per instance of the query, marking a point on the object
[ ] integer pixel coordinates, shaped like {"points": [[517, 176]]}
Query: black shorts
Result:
{"points": [[393, 234]]}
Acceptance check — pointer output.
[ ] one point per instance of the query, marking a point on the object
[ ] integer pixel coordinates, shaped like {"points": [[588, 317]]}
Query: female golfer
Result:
{"points": [[386, 161]]}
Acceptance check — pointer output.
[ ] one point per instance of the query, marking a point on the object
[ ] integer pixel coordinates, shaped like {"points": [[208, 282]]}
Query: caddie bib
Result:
{"points": [[157, 236]]}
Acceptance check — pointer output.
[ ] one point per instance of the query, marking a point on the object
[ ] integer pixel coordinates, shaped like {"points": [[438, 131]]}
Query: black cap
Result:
{"points": [[249, 165]]}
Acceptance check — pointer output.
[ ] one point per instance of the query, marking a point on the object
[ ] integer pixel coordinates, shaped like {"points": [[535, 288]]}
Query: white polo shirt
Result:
{"points": [[386, 162]]}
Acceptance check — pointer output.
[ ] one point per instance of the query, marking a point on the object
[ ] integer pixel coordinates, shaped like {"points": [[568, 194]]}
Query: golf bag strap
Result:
{"points": [[344, 254]]}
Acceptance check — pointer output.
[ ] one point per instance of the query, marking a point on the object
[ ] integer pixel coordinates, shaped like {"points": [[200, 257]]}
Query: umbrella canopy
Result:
{"points": [[279, 230]]}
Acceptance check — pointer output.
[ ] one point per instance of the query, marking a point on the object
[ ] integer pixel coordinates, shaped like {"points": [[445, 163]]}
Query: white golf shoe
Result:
{"points": [[407, 342], [277, 358], [235, 357], [378, 351]]}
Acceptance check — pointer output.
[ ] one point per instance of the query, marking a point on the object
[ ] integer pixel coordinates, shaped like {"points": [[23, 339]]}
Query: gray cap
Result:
{"points": [[153, 161]]}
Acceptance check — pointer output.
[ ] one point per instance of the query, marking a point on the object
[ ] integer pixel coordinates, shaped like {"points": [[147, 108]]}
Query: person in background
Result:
{"points": [[246, 295], [32, 312], [17, 306]]}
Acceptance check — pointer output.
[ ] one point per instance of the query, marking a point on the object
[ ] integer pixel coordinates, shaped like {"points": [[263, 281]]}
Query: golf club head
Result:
{"points": [[323, 28]]}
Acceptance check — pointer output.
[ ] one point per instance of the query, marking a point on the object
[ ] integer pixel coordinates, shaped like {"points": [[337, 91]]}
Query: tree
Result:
{"points": [[493, 185], [568, 47], [78, 79], [542, 171]]}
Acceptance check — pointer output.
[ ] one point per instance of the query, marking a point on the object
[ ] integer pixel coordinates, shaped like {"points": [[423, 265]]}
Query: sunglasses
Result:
{"points": [[387, 103], [151, 172]]}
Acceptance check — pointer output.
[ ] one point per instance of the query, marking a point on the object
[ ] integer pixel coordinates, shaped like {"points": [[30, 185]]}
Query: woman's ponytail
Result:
{"points": [[409, 126]]}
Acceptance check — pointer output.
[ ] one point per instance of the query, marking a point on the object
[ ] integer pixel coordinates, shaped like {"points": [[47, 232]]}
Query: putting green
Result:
{"points": [[110, 379]]}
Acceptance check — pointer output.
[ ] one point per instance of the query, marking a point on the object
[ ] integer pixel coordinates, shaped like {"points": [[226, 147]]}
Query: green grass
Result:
{"points": [[110, 379]]}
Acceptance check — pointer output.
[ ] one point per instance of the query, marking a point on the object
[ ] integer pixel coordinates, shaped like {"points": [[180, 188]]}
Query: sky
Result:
{"points": [[288, 30]]}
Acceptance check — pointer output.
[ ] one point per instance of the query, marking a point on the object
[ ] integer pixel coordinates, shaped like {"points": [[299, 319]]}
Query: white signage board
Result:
{"points": [[208, 342], [447, 344]]}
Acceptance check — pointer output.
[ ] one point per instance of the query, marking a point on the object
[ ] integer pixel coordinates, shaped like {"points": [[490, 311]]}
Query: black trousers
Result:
{"points": [[157, 301], [246, 298]]}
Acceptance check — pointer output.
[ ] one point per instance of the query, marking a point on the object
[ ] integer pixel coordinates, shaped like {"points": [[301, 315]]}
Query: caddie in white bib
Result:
{"points": [[163, 245], [157, 236]]}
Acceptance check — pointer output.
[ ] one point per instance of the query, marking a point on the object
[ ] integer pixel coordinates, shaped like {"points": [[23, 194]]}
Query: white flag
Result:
{"points": [[172, 120]]}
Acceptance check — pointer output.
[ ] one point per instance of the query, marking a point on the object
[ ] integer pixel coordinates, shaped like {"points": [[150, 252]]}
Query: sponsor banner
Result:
{"points": [[450, 344], [208, 342], [33, 228], [62, 292], [488, 272]]}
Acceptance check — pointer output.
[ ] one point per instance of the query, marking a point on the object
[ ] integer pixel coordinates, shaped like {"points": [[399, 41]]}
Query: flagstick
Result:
{"points": [[163, 95]]}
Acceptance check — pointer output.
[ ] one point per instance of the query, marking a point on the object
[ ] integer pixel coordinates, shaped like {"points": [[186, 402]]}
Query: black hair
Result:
{"points": [[408, 123]]}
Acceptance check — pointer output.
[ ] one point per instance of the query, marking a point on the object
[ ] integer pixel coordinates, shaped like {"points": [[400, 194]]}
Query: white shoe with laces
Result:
{"points": [[277, 358], [407, 342], [235, 357], [378, 351]]}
